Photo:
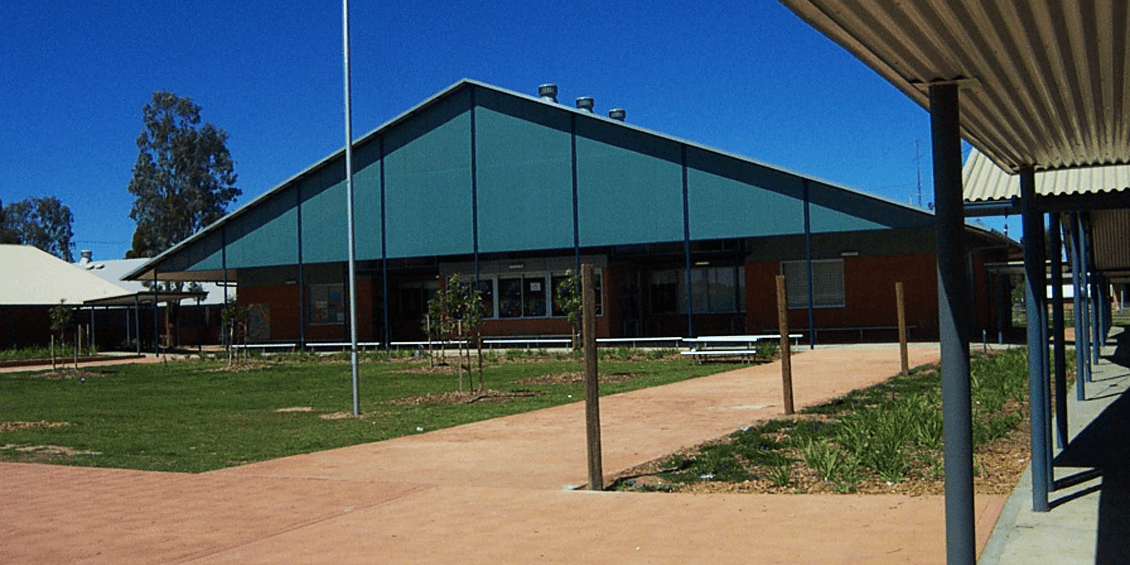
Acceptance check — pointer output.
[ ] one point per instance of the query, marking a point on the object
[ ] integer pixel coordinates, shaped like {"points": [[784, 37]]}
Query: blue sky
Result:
{"points": [[746, 77]]}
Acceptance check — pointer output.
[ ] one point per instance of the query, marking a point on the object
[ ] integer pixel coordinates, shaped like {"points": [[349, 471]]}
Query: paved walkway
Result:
{"points": [[491, 492], [1090, 520]]}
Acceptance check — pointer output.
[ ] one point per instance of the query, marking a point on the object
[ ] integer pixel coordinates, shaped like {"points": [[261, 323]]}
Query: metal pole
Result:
{"points": [[156, 335], [301, 271], [349, 213], [137, 322], [954, 306], [384, 253], [687, 245], [1037, 348], [1077, 307], [1083, 316], [808, 260], [1060, 346]]}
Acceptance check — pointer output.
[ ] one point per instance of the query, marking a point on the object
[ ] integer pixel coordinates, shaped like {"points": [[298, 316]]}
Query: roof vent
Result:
{"points": [[87, 255], [617, 114], [585, 103], [548, 92]]}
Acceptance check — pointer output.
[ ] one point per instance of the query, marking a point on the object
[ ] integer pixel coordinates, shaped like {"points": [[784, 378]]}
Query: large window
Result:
{"points": [[326, 303], [827, 283], [527, 296], [713, 290]]}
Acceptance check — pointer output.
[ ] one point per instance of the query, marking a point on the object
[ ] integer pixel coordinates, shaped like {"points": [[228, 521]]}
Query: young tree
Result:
{"points": [[41, 222], [456, 312], [568, 296], [184, 177]]}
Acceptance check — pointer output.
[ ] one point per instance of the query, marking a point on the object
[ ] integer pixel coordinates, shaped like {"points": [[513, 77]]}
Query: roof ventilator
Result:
{"points": [[548, 92], [617, 114], [585, 103]]}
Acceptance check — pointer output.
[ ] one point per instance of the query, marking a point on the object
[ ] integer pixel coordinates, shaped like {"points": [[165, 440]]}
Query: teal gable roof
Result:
{"points": [[480, 169]]}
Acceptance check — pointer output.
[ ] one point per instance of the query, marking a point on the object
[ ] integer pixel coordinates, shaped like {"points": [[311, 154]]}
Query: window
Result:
{"points": [[527, 296], [326, 303], [486, 292], [714, 290], [827, 283]]}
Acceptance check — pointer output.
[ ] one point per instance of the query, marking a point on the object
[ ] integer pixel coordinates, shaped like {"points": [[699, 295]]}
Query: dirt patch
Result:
{"points": [[466, 397], [577, 378], [239, 368], [294, 409], [48, 450], [13, 426], [70, 374]]}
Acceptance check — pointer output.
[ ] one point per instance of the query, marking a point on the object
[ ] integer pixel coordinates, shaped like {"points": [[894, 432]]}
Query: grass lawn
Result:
{"points": [[194, 416]]}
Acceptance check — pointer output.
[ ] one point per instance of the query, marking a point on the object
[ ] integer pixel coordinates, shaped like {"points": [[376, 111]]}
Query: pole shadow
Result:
{"points": [[1104, 445]]}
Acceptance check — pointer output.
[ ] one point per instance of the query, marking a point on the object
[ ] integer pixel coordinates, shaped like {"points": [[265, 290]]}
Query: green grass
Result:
{"points": [[198, 416], [891, 431]]}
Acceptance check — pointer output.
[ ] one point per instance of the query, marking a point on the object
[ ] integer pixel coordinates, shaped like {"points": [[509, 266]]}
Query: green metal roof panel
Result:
{"points": [[428, 181], [731, 198], [266, 235], [835, 209], [323, 215], [630, 187], [525, 175], [367, 201]]}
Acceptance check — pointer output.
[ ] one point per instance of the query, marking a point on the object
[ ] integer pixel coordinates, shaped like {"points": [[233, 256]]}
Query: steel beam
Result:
{"points": [[1077, 305], [954, 307]]}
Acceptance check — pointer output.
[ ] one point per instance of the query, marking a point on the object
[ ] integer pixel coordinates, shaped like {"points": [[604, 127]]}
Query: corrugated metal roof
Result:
{"points": [[34, 277], [1111, 232], [1048, 79], [985, 181]]}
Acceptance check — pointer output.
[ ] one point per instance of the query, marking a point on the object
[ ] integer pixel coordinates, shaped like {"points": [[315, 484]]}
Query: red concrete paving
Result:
{"points": [[487, 493]]}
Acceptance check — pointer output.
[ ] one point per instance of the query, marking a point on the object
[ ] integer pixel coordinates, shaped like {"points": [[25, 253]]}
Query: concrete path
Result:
{"points": [[491, 492], [1089, 521]]}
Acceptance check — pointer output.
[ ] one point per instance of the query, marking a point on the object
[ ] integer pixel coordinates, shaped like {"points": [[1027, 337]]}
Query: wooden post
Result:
{"points": [[902, 329], [786, 354], [592, 391]]}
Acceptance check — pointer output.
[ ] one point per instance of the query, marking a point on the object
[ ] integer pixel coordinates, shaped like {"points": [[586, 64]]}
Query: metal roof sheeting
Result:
{"points": [[1048, 79], [984, 181], [32, 277]]}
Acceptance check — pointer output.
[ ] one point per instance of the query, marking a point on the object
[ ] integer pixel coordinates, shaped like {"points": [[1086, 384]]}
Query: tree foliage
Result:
{"points": [[41, 222], [184, 177]]}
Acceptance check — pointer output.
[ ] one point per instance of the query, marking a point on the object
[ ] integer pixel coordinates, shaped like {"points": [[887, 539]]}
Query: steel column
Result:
{"points": [[384, 252], [1077, 306], [301, 272], [954, 307], [1083, 316], [808, 259], [1035, 286], [1058, 333], [687, 244]]}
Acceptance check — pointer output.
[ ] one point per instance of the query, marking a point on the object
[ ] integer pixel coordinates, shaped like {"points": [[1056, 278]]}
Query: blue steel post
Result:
{"points": [[687, 244], [156, 335], [1077, 307], [301, 271], [384, 252], [808, 259], [1095, 296], [1082, 316], [576, 202], [1060, 370], [954, 306], [1034, 265], [474, 194]]}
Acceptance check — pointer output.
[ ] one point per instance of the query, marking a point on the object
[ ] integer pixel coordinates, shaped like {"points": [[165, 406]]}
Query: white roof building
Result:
{"points": [[32, 277]]}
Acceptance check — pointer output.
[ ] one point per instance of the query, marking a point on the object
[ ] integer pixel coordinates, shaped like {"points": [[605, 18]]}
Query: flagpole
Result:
{"points": [[349, 214]]}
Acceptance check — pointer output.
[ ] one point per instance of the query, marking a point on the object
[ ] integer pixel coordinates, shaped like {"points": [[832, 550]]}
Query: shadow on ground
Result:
{"points": [[1104, 445]]}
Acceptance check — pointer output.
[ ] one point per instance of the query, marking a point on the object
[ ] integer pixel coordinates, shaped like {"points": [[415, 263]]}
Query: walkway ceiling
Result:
{"points": [[1046, 81]]}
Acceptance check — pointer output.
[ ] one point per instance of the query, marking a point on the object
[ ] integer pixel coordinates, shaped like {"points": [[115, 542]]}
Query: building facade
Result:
{"points": [[514, 191]]}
